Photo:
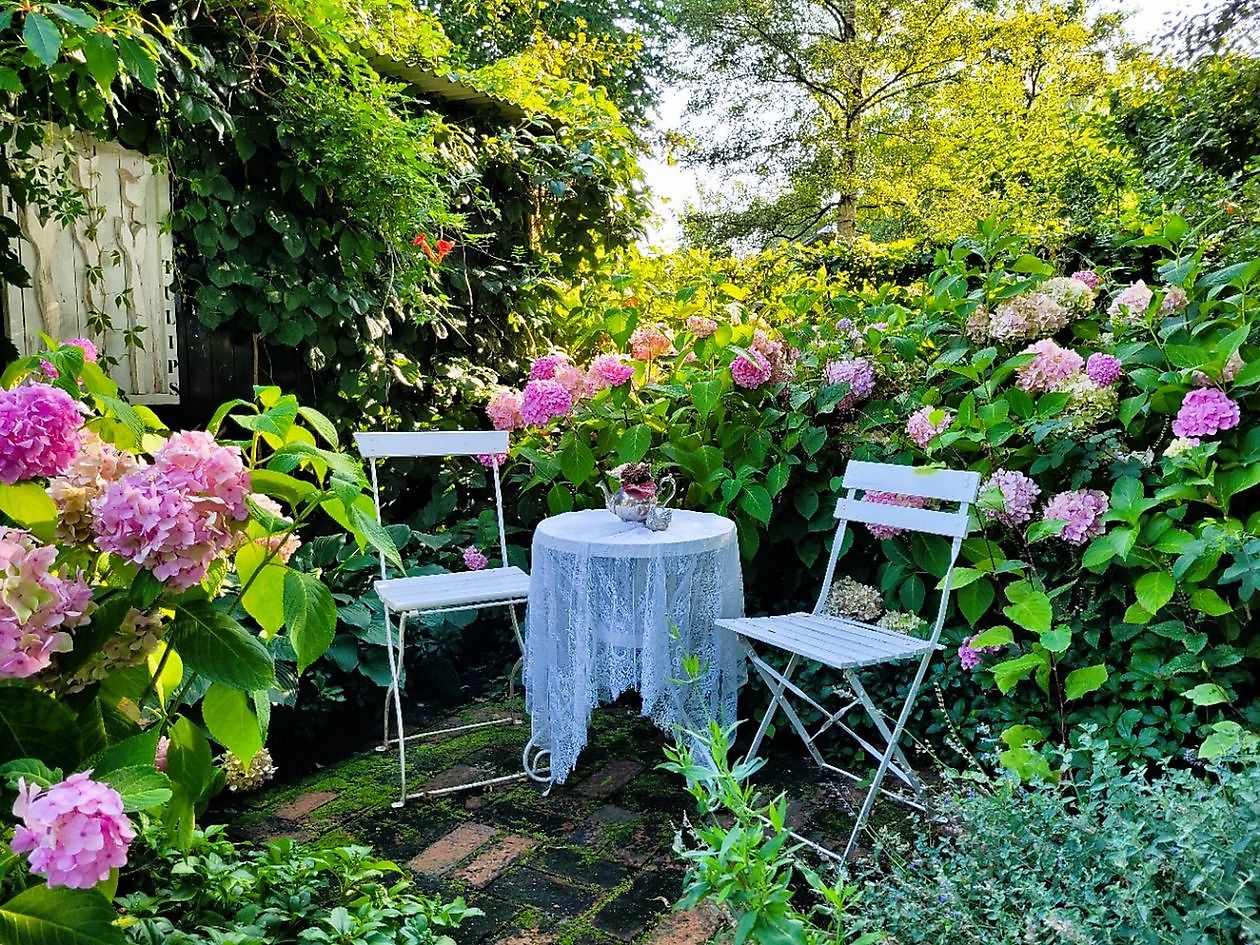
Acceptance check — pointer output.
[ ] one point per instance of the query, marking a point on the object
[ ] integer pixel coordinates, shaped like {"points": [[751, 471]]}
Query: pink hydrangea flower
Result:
{"points": [[75, 831], [1233, 365], [1205, 412], [474, 560], [504, 409], [700, 326], [1018, 495], [1050, 367], [1175, 299], [922, 430], [1081, 511], [608, 370], [39, 432], [1088, 276], [572, 378], [1131, 303], [891, 498], [174, 517], [37, 606], [90, 354], [543, 401], [858, 374], [649, 343], [969, 656], [1103, 369], [490, 459], [544, 369], [750, 370]]}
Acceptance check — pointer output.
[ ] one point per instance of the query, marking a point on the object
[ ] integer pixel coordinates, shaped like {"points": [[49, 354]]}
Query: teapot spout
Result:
{"points": [[608, 497]]}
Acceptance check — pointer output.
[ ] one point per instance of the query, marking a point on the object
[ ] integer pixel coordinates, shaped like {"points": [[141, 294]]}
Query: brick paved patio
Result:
{"points": [[591, 864]]}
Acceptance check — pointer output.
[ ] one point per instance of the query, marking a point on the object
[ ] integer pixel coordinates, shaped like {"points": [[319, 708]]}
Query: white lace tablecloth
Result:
{"points": [[615, 607]]}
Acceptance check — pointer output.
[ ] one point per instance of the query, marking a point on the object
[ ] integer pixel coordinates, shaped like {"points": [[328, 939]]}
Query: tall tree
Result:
{"points": [[830, 116]]}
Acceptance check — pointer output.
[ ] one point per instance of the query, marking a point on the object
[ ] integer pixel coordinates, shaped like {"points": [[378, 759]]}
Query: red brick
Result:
{"points": [[304, 804], [457, 845], [612, 776], [494, 860], [690, 927]]}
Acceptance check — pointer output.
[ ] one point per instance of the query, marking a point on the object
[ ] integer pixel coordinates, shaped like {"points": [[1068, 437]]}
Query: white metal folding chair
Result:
{"points": [[409, 597], [846, 644]]}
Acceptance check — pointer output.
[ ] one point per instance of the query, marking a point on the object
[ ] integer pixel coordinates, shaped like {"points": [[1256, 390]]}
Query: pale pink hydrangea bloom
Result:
{"points": [[750, 370], [75, 831], [1050, 368], [544, 401], [1081, 511], [1019, 493], [1205, 412], [285, 546], [891, 498], [648, 343], [1027, 316], [858, 374], [504, 409], [1233, 365], [607, 370], [1175, 299], [1073, 294], [544, 369], [1088, 276], [1131, 303], [39, 432], [175, 516], [572, 378], [474, 560], [37, 606], [700, 326], [1103, 369], [921, 428], [95, 466]]}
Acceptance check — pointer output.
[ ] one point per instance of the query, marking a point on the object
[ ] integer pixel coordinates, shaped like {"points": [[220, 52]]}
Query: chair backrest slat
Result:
{"points": [[949, 524], [949, 484], [433, 443]]}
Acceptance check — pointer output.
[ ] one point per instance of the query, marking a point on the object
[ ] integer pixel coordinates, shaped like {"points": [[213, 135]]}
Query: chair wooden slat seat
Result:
{"points": [[427, 592], [837, 641]]}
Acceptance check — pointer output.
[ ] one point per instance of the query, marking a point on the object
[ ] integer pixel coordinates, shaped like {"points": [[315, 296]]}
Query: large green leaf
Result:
{"points": [[141, 787], [1085, 680], [705, 395], [213, 644], [975, 599], [263, 598], [42, 37], [137, 750], [1154, 590], [755, 500], [232, 723], [1030, 608], [634, 443], [577, 462], [34, 725], [310, 614], [58, 916], [30, 506]]}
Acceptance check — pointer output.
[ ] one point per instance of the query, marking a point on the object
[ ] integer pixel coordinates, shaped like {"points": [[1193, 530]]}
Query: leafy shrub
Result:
{"points": [[1111, 583], [217, 891], [1100, 854]]}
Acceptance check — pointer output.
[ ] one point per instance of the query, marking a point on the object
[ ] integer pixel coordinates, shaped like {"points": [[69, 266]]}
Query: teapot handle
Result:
{"points": [[666, 490]]}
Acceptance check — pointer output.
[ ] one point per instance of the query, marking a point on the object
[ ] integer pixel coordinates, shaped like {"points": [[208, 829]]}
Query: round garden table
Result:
{"points": [[614, 607]]}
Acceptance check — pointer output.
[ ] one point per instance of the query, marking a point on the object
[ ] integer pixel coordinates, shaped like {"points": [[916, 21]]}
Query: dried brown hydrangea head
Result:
{"points": [[635, 474]]}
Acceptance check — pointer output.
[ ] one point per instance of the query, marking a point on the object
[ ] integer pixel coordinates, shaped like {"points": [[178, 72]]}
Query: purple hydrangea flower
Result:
{"points": [[544, 400], [39, 432], [1088, 276], [1103, 369], [474, 559], [1019, 493], [750, 370], [1081, 511], [858, 374], [1205, 412]]}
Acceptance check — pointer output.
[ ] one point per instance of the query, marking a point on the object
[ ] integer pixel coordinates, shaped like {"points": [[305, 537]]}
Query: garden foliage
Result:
{"points": [[150, 611], [1114, 561]]}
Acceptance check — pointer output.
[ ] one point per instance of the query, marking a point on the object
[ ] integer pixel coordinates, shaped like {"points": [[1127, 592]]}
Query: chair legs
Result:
{"points": [[534, 768], [891, 758]]}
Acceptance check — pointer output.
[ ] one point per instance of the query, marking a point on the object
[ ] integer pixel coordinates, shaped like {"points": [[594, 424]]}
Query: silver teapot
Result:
{"points": [[630, 509]]}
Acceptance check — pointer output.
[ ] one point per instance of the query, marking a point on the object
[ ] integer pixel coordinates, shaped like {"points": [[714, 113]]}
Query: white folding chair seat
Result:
{"points": [[837, 641], [846, 644], [459, 590], [406, 597]]}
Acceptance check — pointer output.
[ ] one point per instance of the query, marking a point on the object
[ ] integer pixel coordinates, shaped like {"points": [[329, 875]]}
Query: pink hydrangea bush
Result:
{"points": [[175, 516], [1050, 367], [1131, 303], [648, 343], [608, 370], [1081, 511], [923, 430], [74, 832], [858, 374], [544, 401], [891, 498], [475, 559], [1103, 369], [504, 409], [700, 326], [751, 369], [544, 368], [37, 606], [39, 432], [1205, 411], [1018, 495]]}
